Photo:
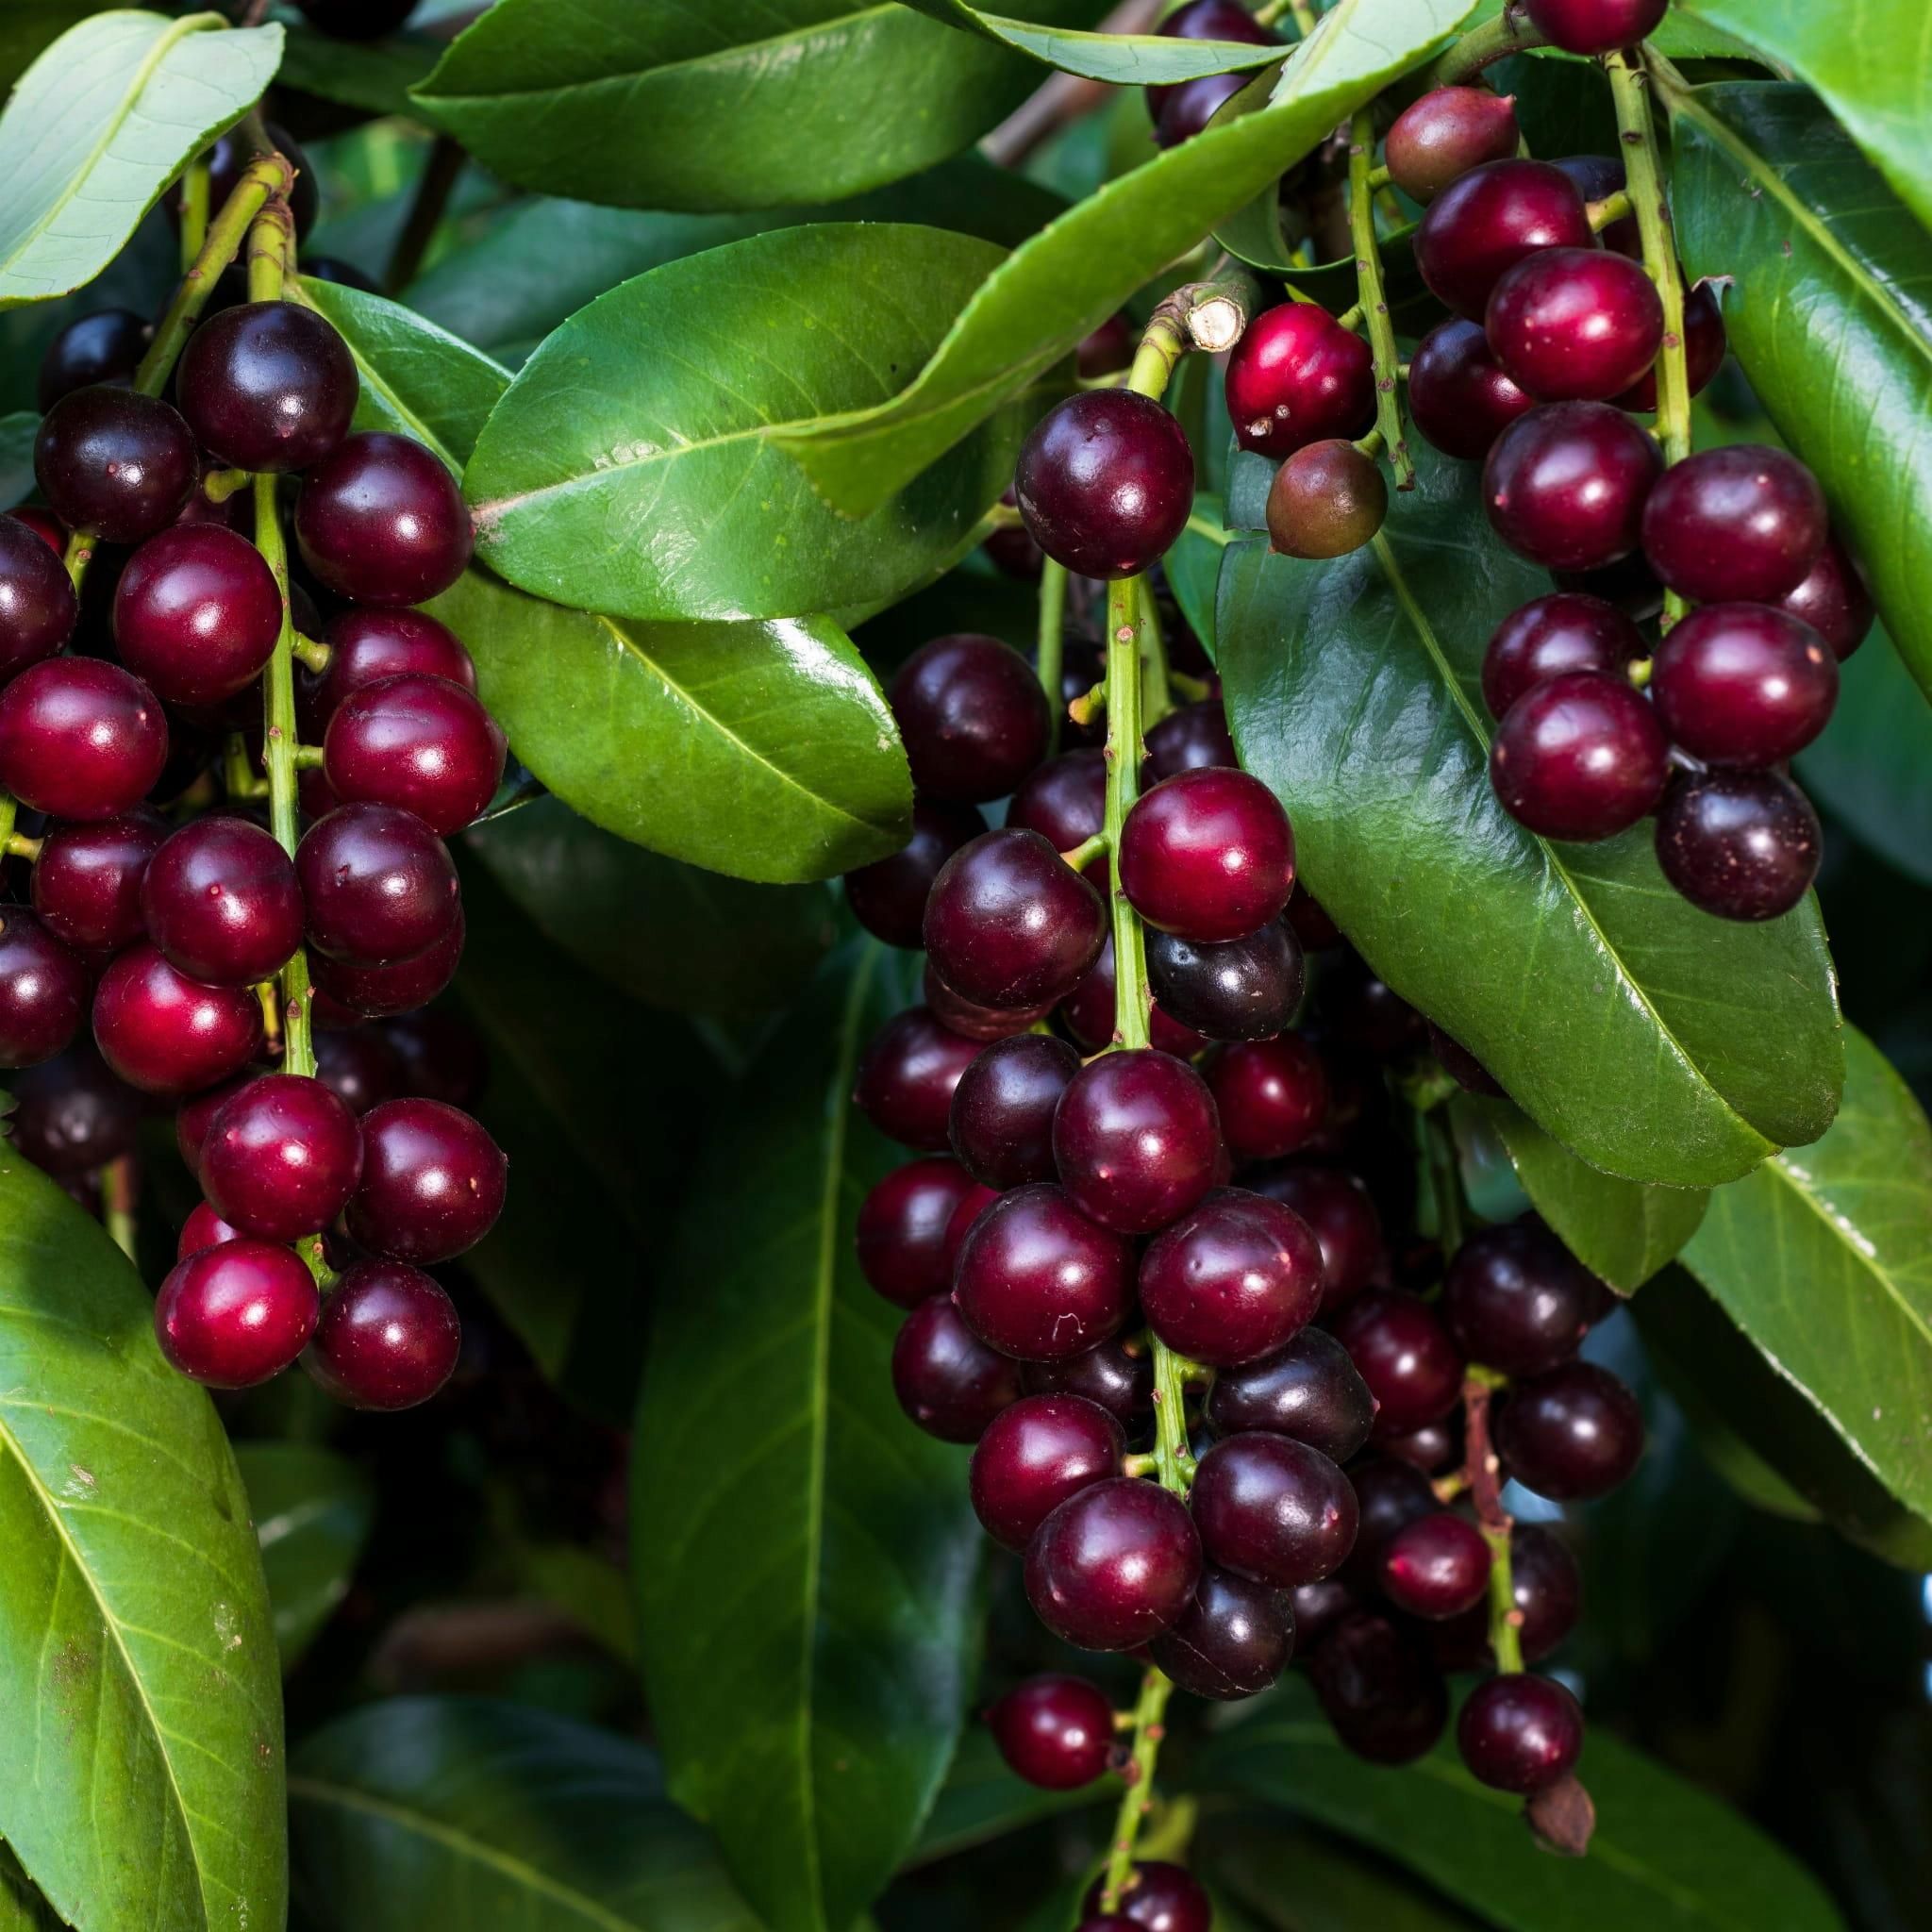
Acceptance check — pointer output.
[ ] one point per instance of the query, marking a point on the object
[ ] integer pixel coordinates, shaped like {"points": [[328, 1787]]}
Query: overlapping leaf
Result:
{"points": [[312, 1510], [1123, 60]]}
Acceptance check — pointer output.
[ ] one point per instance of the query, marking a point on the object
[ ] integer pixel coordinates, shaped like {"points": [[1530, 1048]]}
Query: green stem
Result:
{"points": [[1047, 661], [1374, 303], [194, 210], [1157, 699], [10, 810], [1124, 751], [1138, 1799], [1612, 208], [1080, 858], [1483, 1474], [1510, 32]]}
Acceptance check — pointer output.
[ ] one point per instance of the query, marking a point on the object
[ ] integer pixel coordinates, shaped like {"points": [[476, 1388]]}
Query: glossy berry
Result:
{"points": [[359, 1067], [376, 992], [37, 608], [1342, 1214], [419, 744], [948, 1380], [1833, 599], [1458, 393], [1296, 378], [1436, 1567], [1189, 737], [196, 613], [80, 738], [1595, 27], [105, 346], [1575, 325], [1741, 684], [1546, 1587], [1233, 1641], [973, 1020], [1235, 1279], [1135, 1139], [1432, 1448], [45, 525], [1190, 105], [1002, 1107], [42, 990], [1208, 855], [1120, 1381], [1206, 19], [1440, 138], [1518, 1733], [1034, 1455], [204, 1228], [113, 463], [1742, 522], [1114, 1565], [380, 521], [1038, 1281], [1105, 483], [972, 718], [1388, 1493], [902, 1228], [1516, 1299], [387, 1338], [195, 1115], [1065, 802], [366, 645], [1318, 1608], [1272, 1095], [1704, 350], [1091, 1011], [1159, 1897], [1308, 1390], [1573, 1433], [1055, 1731], [1271, 1508], [1487, 221], [1568, 630], [166, 1033], [71, 1114], [281, 1157], [432, 1186], [1008, 924], [1403, 1353], [1384, 1698], [379, 884], [907, 1076], [1244, 989], [267, 386], [1566, 485], [888, 897], [220, 900], [87, 880], [1580, 756], [1739, 844], [233, 1315], [1324, 501]]}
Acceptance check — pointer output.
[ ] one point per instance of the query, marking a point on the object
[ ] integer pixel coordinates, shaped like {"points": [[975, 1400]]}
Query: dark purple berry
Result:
{"points": [[387, 1337], [972, 716], [1105, 483], [1594, 27], [1135, 1139], [1114, 1565], [114, 463], [1833, 599], [1034, 1455], [104, 347], [1742, 684], [1055, 1731], [1308, 1390], [1436, 1567], [1582, 756], [948, 1380], [267, 386], [888, 897], [1008, 924], [1003, 1109], [1038, 1281], [1458, 393], [1233, 1641], [1406, 1356], [42, 990], [1272, 1095], [1342, 1214], [1741, 523], [380, 521], [1573, 1433], [1232, 1281], [902, 1227], [1566, 485], [1518, 1733], [37, 609], [379, 884], [433, 1182], [1575, 324], [419, 744], [1739, 844], [1242, 989], [906, 1078], [1273, 1510], [1568, 630]]}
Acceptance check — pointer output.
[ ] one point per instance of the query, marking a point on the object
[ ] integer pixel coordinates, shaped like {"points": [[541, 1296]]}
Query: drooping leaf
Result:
{"points": [[1660, 1043], [765, 751], [1123, 60], [1665, 1855], [100, 124], [732, 104], [651, 485], [1828, 311], [312, 1510], [373, 75], [140, 1766], [1065, 282], [1622, 1231], [667, 934], [982, 1799], [809, 1708], [456, 1811]]}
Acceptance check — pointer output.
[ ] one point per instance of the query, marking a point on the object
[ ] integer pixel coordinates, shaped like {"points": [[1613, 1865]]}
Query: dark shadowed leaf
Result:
{"points": [[17, 432], [312, 1510], [373, 75], [981, 1800]]}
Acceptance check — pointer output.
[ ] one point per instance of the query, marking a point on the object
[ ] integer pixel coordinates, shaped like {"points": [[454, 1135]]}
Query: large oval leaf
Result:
{"points": [[1660, 1043], [806, 1597], [1829, 312], [731, 104], [312, 1510], [1122, 59], [649, 484], [141, 1764], [100, 124], [449, 1811], [762, 750], [1050, 292]]}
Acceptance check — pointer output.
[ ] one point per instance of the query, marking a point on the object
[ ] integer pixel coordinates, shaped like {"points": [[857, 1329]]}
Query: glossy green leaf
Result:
{"points": [[1828, 311], [373, 75], [1193, 566], [424, 1812], [1665, 1855], [1823, 1259], [762, 750], [1254, 236], [1622, 1231], [653, 487], [667, 934], [417, 379], [1123, 60], [982, 1800], [1065, 282], [312, 1510], [18, 430], [724, 105], [140, 1766], [807, 1612], [1660, 1043], [100, 124], [1301, 1881]]}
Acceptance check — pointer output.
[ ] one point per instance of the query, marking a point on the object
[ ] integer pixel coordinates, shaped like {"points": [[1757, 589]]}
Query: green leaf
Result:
{"points": [[456, 1811], [1823, 1259], [1657, 1042], [373, 75], [18, 430], [982, 1800], [140, 1771], [312, 1510], [1065, 282], [731, 104], [1665, 1855], [1301, 1881], [417, 379], [1123, 60], [100, 124], [653, 487], [667, 934], [1193, 566], [1254, 235], [765, 751], [1619, 1229], [808, 1611], [1826, 312]]}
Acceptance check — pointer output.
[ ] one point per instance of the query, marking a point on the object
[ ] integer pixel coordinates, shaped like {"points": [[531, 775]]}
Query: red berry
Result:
{"points": [[1436, 1567], [366, 646], [1008, 924], [380, 521], [1308, 1390], [376, 992], [204, 1228], [1595, 27], [1403, 1352], [948, 1380], [1739, 844], [1271, 1096], [1488, 221], [1272, 1509], [281, 1157], [901, 1229], [1105, 483], [37, 608], [195, 1114], [1056, 1732], [1440, 138], [432, 1186], [267, 386], [906, 1077], [1516, 1299], [1208, 855], [1342, 1214], [1573, 1433], [42, 990], [166, 1033], [1038, 1281], [1233, 1640], [1159, 1897], [973, 1022], [1575, 325], [1232, 1281], [1741, 684], [233, 1315], [387, 1338], [1186, 738], [80, 738], [1518, 1733], [972, 716], [1568, 630], [220, 900], [888, 897], [1001, 1121], [1088, 1011], [1833, 600], [1704, 349], [1582, 757], [379, 884], [1135, 1139], [1114, 1565], [1384, 1698], [1295, 377], [114, 463], [1458, 393], [1743, 522], [1065, 802], [421, 744], [87, 880], [1566, 485], [1034, 1455]]}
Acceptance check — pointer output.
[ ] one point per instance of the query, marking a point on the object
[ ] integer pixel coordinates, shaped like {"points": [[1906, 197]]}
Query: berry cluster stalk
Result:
{"points": [[1510, 32], [1482, 1472], [1374, 298]]}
